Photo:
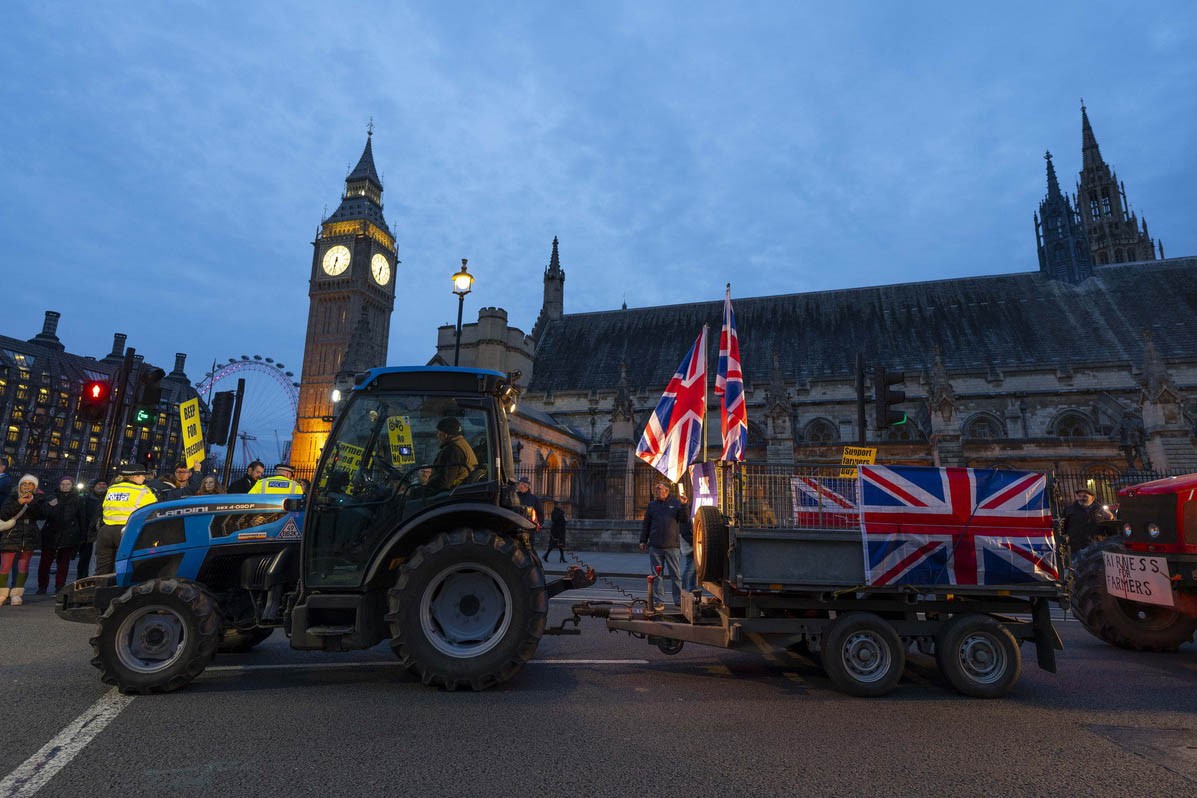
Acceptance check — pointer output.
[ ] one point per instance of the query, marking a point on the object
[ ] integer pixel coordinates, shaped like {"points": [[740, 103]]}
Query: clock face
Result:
{"points": [[380, 269], [336, 260]]}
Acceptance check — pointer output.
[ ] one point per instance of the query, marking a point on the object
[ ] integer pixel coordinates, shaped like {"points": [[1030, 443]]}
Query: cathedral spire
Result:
{"points": [[1059, 234], [553, 306], [365, 165], [1110, 226], [1090, 153], [1053, 185], [554, 260]]}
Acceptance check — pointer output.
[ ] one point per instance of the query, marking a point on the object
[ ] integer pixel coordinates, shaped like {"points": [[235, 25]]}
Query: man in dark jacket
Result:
{"points": [[1081, 519], [184, 482], [93, 503], [454, 461], [66, 528], [5, 478], [253, 473], [659, 536]]}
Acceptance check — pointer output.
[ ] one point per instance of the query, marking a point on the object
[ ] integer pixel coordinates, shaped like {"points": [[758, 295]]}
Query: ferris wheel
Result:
{"points": [[268, 411]]}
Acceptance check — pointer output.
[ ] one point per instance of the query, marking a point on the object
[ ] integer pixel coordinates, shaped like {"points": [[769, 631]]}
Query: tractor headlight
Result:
{"points": [[1153, 529], [1126, 530]]}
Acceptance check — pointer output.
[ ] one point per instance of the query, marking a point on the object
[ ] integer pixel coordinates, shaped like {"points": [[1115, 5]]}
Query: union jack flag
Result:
{"points": [[825, 502], [955, 526], [729, 384], [674, 433]]}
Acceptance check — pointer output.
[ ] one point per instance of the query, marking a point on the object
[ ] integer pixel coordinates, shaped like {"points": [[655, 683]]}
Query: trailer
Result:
{"points": [[955, 562]]}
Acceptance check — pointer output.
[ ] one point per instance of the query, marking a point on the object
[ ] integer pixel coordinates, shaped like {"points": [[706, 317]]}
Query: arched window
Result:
{"points": [[1118, 256], [820, 432], [983, 427], [1072, 425]]}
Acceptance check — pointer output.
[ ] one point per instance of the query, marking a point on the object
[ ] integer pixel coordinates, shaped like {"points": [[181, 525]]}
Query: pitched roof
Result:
{"points": [[365, 165], [1011, 321]]}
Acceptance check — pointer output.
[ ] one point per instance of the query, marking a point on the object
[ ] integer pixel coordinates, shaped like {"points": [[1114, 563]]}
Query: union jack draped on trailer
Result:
{"points": [[955, 526]]}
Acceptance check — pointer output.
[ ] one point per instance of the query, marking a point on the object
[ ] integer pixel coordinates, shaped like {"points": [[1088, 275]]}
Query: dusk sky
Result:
{"points": [[164, 166]]}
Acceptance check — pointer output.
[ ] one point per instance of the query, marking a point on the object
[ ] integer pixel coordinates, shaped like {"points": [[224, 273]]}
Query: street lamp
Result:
{"points": [[463, 282]]}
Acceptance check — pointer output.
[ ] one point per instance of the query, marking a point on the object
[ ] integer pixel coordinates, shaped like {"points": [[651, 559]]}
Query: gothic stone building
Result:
{"points": [[1088, 364]]}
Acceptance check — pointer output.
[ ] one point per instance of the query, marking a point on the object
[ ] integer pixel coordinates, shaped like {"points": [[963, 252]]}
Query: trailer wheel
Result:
{"points": [[668, 645], [1122, 623], [710, 545], [468, 610], [157, 636], [978, 656], [863, 655]]}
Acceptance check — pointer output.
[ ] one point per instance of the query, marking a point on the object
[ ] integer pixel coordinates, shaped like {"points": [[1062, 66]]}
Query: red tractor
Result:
{"points": [[1137, 589]]}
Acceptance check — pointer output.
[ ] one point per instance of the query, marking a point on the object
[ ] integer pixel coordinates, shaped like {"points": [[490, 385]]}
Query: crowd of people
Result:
{"points": [[69, 523]]}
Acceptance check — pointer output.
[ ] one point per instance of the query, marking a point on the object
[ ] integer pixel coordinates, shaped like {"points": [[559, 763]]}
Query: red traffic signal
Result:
{"points": [[93, 403]]}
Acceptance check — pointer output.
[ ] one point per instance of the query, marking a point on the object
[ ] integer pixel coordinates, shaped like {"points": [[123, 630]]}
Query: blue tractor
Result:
{"points": [[413, 533]]}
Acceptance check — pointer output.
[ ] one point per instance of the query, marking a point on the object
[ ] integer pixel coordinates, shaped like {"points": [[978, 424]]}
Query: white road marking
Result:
{"points": [[291, 666], [34, 772]]}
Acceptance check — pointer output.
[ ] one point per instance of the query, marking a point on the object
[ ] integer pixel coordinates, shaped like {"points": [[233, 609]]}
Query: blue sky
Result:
{"points": [[164, 166]]}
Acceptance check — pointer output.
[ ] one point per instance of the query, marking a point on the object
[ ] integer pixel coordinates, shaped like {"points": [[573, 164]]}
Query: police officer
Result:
{"points": [[124, 496], [283, 481]]}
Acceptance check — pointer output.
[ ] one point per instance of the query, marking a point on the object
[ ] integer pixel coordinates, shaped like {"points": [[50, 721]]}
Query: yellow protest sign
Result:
{"points": [[193, 433], [403, 452], [854, 456]]}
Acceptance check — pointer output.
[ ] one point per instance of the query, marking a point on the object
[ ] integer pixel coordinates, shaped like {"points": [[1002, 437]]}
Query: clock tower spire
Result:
{"points": [[351, 290]]}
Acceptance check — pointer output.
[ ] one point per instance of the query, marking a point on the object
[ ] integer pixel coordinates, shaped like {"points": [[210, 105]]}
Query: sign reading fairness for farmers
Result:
{"points": [[193, 433]]}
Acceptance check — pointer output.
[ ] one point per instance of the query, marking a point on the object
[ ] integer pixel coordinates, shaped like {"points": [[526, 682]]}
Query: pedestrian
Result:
{"points": [[185, 482], [685, 534], [127, 494], [5, 478], [253, 472], [1081, 520], [94, 504], [659, 537], [281, 481], [454, 461], [19, 537], [65, 515], [556, 533], [208, 487]]}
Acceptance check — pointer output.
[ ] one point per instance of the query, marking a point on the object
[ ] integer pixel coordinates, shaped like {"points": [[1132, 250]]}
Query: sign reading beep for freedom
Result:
{"points": [[193, 433]]}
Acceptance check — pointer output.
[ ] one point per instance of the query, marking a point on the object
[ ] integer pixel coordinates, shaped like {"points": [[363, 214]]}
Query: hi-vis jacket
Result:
{"points": [[122, 499], [276, 485]]}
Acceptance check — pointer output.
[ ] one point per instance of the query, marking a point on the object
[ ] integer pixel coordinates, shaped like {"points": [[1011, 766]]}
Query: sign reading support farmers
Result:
{"points": [[399, 438], [193, 433], [854, 456]]}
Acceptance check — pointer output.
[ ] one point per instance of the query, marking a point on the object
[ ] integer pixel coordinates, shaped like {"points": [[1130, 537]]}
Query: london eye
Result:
{"points": [[268, 411]]}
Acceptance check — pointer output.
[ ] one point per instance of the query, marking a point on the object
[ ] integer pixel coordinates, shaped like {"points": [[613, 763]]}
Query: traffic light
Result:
{"points": [[149, 458], [222, 417], [93, 404], [149, 394], [885, 398], [144, 416]]}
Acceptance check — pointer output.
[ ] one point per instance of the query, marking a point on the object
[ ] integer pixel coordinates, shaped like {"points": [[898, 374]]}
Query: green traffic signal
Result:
{"points": [[144, 416]]}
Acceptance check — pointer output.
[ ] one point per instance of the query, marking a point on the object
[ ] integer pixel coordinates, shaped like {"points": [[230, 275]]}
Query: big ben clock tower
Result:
{"points": [[352, 293]]}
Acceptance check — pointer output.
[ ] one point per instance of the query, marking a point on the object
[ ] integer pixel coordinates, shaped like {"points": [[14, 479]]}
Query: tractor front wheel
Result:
{"points": [[1122, 623], [468, 610], [157, 636]]}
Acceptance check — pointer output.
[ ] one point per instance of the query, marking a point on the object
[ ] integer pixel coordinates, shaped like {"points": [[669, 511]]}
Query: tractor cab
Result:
{"points": [[410, 443]]}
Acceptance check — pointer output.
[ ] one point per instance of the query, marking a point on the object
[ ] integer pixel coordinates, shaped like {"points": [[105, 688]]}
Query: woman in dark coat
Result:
{"points": [[556, 533], [65, 531], [19, 537]]}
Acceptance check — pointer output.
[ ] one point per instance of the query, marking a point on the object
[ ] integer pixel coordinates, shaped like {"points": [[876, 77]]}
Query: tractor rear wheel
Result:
{"points": [[468, 610], [157, 636], [1122, 623]]}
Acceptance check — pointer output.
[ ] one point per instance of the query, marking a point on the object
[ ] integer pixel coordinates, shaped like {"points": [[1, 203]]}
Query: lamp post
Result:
{"points": [[463, 282]]}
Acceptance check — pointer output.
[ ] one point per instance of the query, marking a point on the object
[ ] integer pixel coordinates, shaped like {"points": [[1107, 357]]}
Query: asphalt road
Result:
{"points": [[600, 714]]}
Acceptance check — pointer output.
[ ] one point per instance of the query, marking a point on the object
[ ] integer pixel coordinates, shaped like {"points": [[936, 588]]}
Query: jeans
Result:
{"points": [[687, 551], [670, 561]]}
